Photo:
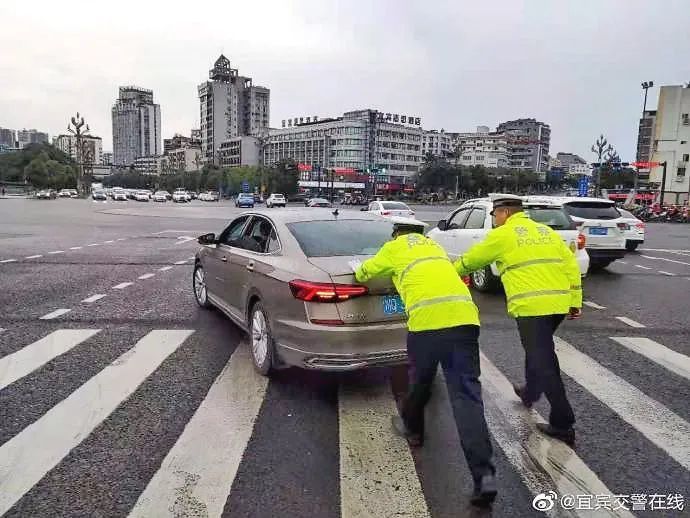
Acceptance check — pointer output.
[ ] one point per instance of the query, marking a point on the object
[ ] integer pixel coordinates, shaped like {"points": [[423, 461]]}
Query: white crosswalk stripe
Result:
{"points": [[211, 446], [17, 365], [657, 423], [672, 360], [67, 424], [206, 457]]}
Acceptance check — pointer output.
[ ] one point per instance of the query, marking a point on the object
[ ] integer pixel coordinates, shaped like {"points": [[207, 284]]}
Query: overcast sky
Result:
{"points": [[576, 65]]}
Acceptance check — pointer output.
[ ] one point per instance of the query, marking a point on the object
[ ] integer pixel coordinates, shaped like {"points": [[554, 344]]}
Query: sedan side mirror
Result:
{"points": [[207, 239], [442, 225]]}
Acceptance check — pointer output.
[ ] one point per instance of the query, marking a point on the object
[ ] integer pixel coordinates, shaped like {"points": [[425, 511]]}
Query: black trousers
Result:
{"points": [[542, 371], [457, 350]]}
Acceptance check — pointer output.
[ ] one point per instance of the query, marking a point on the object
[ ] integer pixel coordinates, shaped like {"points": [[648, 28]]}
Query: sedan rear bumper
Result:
{"points": [[340, 348]]}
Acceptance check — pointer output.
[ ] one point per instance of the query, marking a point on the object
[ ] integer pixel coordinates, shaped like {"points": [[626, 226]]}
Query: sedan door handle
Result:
{"points": [[224, 259], [250, 266]]}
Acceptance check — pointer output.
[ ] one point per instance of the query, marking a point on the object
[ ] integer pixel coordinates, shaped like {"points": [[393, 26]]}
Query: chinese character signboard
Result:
{"points": [[583, 187]]}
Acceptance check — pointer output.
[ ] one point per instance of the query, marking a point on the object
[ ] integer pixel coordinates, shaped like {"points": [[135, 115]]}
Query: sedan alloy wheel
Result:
{"points": [[200, 290], [261, 340]]}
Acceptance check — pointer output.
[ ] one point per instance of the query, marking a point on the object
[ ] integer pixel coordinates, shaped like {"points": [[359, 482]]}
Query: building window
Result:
{"points": [[683, 141], [681, 171], [686, 158]]}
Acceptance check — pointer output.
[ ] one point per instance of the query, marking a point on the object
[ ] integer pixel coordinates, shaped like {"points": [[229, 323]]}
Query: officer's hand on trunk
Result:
{"points": [[574, 313]]}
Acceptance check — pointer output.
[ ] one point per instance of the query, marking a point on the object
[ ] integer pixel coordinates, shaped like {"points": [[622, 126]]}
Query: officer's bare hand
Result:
{"points": [[574, 313]]}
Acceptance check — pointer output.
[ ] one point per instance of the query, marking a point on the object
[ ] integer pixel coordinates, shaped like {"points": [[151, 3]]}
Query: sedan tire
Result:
{"points": [[484, 280], [199, 285], [260, 340]]}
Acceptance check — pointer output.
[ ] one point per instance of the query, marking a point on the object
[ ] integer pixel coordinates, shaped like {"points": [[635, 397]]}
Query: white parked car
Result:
{"points": [[634, 236], [275, 200], [180, 196], [64, 193], [119, 195], [388, 209], [141, 196], [601, 224], [160, 196], [470, 224]]}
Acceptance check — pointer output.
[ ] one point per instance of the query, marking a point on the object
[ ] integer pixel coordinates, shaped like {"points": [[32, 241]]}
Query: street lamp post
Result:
{"points": [[75, 128], [646, 85]]}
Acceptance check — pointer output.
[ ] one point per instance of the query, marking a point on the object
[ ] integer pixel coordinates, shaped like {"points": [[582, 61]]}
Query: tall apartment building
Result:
{"points": [[92, 148], [645, 142], [356, 141], [107, 158], [136, 126], [8, 138], [528, 144], [26, 137], [670, 143], [439, 143], [230, 106], [482, 147]]}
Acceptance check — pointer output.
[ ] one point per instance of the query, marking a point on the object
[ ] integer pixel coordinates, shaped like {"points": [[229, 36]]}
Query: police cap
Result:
{"points": [[408, 224], [506, 200]]}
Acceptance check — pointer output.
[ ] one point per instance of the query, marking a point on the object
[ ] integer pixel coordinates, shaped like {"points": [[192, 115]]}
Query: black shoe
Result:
{"points": [[567, 435], [484, 492], [413, 439], [521, 393]]}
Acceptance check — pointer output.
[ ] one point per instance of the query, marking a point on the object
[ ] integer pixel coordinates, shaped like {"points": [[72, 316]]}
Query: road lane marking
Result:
{"points": [[622, 262], [211, 445], [181, 262], [93, 298], [67, 424], [146, 276], [121, 238], [57, 252], [543, 463], [367, 443], [643, 267], [94, 244], [122, 285], [55, 314], [631, 322], [658, 424], [593, 304], [8, 261], [35, 355], [184, 239], [111, 241], [665, 259], [666, 273], [165, 268], [658, 353], [191, 258], [76, 247], [33, 256]]}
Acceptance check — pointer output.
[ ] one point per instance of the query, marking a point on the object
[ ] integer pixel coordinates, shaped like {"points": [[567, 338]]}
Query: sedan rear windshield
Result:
{"points": [[341, 237], [553, 217], [394, 205], [592, 210]]}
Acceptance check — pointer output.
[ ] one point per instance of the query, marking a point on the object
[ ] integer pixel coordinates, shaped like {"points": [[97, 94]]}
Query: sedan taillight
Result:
{"points": [[640, 225], [581, 241], [325, 292]]}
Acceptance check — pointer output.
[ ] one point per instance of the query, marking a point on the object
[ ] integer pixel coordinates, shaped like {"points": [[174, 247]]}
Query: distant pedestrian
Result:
{"points": [[443, 325], [542, 284]]}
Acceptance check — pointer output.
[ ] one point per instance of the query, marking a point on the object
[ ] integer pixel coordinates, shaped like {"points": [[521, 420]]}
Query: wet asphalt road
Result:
{"points": [[313, 444]]}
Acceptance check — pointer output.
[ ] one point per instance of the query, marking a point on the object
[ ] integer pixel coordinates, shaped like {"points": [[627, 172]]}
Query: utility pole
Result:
{"points": [[663, 184], [646, 85]]}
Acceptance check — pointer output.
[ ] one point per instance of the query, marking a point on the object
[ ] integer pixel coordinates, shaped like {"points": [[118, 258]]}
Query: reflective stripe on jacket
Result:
{"points": [[539, 272], [434, 295]]}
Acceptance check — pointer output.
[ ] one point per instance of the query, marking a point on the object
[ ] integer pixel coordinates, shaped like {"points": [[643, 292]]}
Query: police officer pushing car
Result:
{"points": [[542, 285], [443, 324]]}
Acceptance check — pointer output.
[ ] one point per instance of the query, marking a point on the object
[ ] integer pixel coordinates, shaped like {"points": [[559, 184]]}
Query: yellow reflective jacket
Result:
{"points": [[435, 297], [539, 272]]}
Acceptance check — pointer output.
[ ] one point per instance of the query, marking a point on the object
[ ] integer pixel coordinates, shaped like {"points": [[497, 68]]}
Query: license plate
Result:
{"points": [[392, 305], [598, 231]]}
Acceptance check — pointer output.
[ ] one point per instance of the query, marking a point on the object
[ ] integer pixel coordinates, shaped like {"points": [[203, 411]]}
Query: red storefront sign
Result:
{"points": [[304, 167]]}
